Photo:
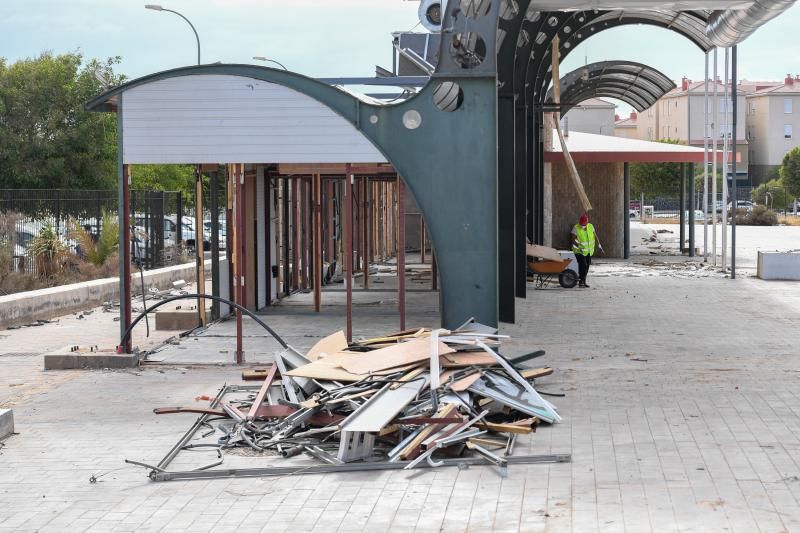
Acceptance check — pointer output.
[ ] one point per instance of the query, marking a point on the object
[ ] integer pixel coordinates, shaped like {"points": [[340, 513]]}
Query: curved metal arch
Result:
{"points": [[690, 24], [634, 83], [462, 220]]}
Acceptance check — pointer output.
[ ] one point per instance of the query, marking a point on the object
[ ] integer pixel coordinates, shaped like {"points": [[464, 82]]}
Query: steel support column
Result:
{"points": [[682, 214], [125, 254], [214, 198], [691, 209], [317, 241], [199, 237], [626, 203], [506, 260], [735, 178], [241, 255]]}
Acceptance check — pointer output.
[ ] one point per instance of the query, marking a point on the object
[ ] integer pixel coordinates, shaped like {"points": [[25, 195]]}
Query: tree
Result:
{"points": [[164, 178], [774, 194], [790, 171], [656, 179], [47, 139]]}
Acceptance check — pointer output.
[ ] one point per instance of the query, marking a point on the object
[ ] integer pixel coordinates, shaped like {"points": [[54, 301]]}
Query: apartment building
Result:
{"points": [[679, 116], [594, 115], [773, 126], [626, 127]]}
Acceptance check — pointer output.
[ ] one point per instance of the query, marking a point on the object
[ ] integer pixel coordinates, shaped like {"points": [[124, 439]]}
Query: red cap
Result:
{"points": [[584, 219]]}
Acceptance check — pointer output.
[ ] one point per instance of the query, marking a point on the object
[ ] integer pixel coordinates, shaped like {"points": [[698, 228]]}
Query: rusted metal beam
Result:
{"points": [[348, 249], [199, 238], [126, 263], [317, 199], [401, 253], [262, 393], [241, 258], [365, 224]]}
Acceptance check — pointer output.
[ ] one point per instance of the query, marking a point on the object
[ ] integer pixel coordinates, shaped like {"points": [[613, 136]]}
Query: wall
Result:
{"points": [[604, 186], [44, 304], [626, 132], [766, 119], [233, 119], [591, 119]]}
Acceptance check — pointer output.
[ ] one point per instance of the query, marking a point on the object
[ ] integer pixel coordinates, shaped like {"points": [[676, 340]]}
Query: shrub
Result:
{"points": [[48, 251], [758, 216], [97, 251]]}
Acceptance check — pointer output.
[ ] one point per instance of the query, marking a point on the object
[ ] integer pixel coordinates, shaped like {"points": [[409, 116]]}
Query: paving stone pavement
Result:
{"points": [[681, 414]]}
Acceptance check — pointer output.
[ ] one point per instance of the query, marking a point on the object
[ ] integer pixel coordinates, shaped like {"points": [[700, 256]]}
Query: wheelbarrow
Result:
{"points": [[554, 264]]}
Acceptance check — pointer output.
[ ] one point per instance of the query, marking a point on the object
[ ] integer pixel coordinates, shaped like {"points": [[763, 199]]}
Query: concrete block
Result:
{"points": [[779, 265], [6, 423], [72, 357], [178, 320]]}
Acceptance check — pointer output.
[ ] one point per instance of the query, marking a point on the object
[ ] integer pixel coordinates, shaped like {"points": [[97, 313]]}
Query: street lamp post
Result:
{"points": [[156, 7], [262, 58]]}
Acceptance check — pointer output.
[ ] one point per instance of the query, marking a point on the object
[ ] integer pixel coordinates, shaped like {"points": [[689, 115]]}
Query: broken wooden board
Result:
{"points": [[464, 383], [543, 252], [504, 428], [414, 448], [331, 344], [533, 373], [256, 374], [394, 356], [467, 359]]}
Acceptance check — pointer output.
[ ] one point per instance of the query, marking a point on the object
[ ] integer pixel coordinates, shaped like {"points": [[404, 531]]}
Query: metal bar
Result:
{"points": [[268, 239], [725, 156], [348, 248], [705, 162], [350, 467], [230, 247], [735, 178], [317, 270], [200, 271], [401, 252], [366, 222], [714, 119], [287, 273], [295, 188], [434, 270], [691, 210], [682, 214], [125, 255], [214, 197]]}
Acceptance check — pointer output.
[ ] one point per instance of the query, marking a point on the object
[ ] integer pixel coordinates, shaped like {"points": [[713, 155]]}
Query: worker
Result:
{"points": [[584, 240]]}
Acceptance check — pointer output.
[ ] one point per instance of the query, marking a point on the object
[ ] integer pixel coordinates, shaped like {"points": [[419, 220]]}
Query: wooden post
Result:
{"points": [[200, 270], [401, 254], [317, 226], [348, 249]]}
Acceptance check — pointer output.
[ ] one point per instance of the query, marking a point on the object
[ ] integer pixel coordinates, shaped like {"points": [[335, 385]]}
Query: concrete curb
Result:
{"points": [[66, 359], [43, 304]]}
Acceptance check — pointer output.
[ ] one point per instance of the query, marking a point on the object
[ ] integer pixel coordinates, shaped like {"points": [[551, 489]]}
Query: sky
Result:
{"points": [[324, 37]]}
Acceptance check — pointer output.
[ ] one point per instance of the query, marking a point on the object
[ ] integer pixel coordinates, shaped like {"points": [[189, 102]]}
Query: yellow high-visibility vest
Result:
{"points": [[586, 240]]}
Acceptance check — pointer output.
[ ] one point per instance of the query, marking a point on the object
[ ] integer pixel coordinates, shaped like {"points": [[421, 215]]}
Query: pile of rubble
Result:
{"points": [[399, 401]]}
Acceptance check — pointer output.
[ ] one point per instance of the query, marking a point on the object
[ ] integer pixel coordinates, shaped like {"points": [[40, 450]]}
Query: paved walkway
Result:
{"points": [[681, 414]]}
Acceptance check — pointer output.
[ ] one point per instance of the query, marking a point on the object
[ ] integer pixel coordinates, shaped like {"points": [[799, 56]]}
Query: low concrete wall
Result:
{"points": [[43, 304], [6, 423], [779, 265]]}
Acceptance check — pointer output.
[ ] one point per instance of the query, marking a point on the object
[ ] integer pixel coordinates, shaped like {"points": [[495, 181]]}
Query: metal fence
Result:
{"points": [[158, 231], [667, 205]]}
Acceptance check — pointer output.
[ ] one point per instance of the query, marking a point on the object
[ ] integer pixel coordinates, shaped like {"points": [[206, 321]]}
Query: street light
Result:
{"points": [[156, 7], [262, 58]]}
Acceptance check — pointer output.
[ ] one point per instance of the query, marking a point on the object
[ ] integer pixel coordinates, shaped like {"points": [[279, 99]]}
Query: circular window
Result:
{"points": [[468, 49], [448, 96], [412, 119]]}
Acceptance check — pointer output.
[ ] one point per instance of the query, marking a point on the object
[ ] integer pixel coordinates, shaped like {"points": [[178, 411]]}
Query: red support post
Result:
{"points": [[365, 225], [401, 252], [317, 230], [240, 260], [348, 248]]}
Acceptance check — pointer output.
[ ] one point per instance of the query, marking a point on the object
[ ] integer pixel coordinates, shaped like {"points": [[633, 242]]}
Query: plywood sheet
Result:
{"points": [[544, 252], [468, 359], [464, 383], [393, 356], [331, 344]]}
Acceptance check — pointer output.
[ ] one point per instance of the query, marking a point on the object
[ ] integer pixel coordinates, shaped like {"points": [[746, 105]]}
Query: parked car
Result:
{"points": [[742, 204], [223, 233]]}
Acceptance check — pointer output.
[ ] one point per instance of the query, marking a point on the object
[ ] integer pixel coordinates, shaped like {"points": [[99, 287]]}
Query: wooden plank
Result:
{"points": [[468, 359], [543, 252], [402, 354], [413, 448], [504, 428], [533, 373], [331, 344], [414, 372], [330, 369], [464, 383], [256, 374], [262, 393]]}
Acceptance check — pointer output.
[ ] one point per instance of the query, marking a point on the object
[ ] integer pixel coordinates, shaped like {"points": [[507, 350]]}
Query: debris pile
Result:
{"points": [[405, 400]]}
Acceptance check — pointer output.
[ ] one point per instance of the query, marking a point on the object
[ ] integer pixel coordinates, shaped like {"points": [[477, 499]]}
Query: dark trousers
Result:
{"points": [[584, 262]]}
